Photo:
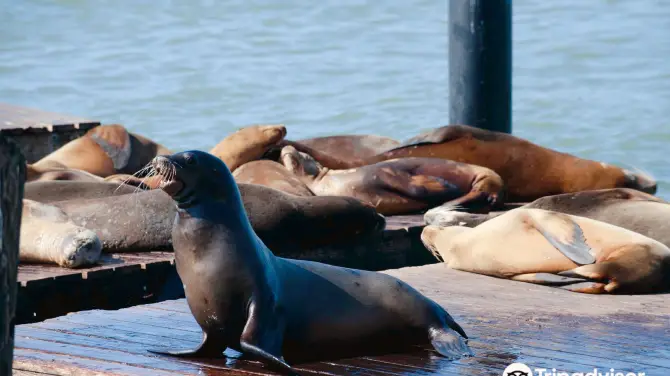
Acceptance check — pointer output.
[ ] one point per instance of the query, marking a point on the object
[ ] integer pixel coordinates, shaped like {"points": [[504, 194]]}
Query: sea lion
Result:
{"points": [[571, 252], [633, 210], [347, 147], [105, 150], [48, 236], [143, 221], [271, 174], [402, 186], [56, 171], [145, 182], [245, 298], [247, 144], [52, 191], [529, 171]]}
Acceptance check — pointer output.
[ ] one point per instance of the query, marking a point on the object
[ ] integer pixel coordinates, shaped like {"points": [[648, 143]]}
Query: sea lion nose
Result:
{"points": [[159, 161]]}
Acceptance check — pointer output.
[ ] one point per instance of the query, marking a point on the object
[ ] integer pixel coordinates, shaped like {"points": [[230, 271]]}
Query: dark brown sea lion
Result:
{"points": [[105, 150], [49, 237], [529, 171], [348, 147], [143, 221], [633, 210], [246, 299], [271, 174], [52, 191], [571, 252], [248, 144], [401, 186]]}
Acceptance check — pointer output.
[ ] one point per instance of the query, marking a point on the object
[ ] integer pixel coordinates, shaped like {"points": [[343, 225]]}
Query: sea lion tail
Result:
{"points": [[449, 343]]}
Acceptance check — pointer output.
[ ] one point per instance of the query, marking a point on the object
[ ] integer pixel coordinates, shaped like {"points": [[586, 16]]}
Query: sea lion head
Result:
{"points": [[193, 176], [640, 181], [248, 144], [299, 163]]}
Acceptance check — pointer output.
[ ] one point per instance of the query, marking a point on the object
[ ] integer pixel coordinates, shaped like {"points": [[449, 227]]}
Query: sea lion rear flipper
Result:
{"points": [[557, 226], [449, 344], [263, 335], [208, 348]]}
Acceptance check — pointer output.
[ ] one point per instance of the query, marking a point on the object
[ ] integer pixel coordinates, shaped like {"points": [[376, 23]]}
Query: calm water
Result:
{"points": [[590, 77]]}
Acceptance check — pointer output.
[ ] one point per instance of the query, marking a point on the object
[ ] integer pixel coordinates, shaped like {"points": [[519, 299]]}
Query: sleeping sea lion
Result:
{"points": [[571, 252], [402, 186]]}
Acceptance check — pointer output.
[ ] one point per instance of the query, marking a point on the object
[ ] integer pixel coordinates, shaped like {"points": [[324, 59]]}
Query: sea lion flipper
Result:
{"points": [[208, 348], [449, 344], [549, 279], [557, 226], [418, 187], [263, 335]]}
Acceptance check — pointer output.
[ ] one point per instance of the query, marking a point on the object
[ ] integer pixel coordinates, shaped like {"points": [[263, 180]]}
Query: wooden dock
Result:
{"points": [[507, 322], [38, 132], [127, 279]]}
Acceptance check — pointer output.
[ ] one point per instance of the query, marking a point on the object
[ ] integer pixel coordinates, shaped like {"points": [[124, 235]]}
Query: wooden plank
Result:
{"points": [[19, 117], [12, 175], [125, 279], [507, 322]]}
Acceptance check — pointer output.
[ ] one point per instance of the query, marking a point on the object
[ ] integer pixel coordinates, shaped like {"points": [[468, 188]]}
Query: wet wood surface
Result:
{"points": [[19, 117], [507, 322], [126, 279]]}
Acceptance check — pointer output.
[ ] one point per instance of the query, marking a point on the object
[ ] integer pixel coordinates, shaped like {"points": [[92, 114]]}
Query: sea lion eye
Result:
{"points": [[189, 159]]}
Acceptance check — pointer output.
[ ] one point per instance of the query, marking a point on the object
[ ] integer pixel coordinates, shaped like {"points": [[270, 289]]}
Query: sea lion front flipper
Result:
{"points": [[208, 348], [549, 279], [449, 344], [263, 335], [558, 226], [418, 187]]}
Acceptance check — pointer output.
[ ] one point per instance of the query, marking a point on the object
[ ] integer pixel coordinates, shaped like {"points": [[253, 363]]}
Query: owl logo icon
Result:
{"points": [[517, 369]]}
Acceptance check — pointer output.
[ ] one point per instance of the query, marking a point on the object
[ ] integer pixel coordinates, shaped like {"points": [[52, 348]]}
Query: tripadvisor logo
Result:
{"points": [[520, 369], [517, 369]]}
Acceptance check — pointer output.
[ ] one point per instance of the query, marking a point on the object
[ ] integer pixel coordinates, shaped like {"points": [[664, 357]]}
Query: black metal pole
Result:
{"points": [[480, 64], [12, 176]]}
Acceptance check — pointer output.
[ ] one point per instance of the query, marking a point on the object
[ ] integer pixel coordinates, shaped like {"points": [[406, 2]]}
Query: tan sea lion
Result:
{"points": [[571, 252], [247, 144], [633, 210], [271, 174], [105, 150], [146, 182], [401, 186], [245, 298], [48, 236], [529, 171]]}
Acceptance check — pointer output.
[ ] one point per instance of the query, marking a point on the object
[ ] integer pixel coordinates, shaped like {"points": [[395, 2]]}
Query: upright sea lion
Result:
{"points": [[348, 147], [401, 186], [633, 210], [105, 150], [248, 144], [529, 171], [245, 298], [143, 221], [52, 191], [571, 252], [271, 174], [48, 236]]}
